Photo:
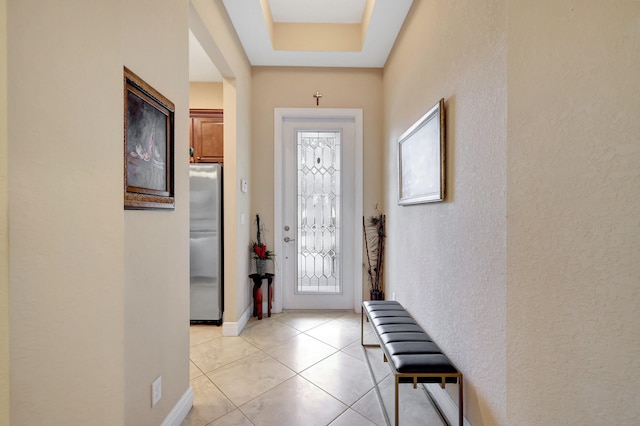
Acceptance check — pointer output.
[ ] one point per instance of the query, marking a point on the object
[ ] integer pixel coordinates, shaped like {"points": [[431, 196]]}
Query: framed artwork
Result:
{"points": [[421, 154], [148, 146]]}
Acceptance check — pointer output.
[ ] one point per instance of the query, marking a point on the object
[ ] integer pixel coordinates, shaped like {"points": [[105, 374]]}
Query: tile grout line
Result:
{"points": [[342, 349]]}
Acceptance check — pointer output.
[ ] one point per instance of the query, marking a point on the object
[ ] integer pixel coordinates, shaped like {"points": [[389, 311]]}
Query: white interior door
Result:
{"points": [[318, 198]]}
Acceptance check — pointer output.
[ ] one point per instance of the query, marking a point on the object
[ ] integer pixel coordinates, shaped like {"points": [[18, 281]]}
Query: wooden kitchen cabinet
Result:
{"points": [[207, 138]]}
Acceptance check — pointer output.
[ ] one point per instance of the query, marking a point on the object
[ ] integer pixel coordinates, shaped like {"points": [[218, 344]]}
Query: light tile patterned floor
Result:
{"points": [[297, 368]]}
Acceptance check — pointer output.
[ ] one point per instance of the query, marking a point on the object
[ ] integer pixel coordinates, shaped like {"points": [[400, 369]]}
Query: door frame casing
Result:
{"points": [[280, 115]]}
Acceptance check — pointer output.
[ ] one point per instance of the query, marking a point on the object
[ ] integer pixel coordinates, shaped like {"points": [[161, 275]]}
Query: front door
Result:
{"points": [[320, 197]]}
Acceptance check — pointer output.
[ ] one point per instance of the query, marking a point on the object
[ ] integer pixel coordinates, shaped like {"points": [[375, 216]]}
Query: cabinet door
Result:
{"points": [[208, 139]]}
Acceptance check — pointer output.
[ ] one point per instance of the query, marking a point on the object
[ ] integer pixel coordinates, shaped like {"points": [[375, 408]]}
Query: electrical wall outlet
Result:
{"points": [[393, 296], [156, 391]]}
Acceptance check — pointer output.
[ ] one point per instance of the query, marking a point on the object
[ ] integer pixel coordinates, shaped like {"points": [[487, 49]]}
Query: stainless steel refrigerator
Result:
{"points": [[205, 200]]}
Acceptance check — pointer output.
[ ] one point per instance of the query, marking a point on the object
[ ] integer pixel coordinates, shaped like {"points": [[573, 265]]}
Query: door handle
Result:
{"points": [[287, 239]]}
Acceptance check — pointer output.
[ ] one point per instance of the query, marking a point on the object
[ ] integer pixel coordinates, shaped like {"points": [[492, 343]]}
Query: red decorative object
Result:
{"points": [[258, 303], [260, 250], [258, 297]]}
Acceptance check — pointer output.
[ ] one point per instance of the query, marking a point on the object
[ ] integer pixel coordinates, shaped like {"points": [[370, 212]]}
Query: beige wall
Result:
{"points": [[99, 296], [4, 225], [573, 275], [209, 21], [446, 261], [205, 95], [156, 243], [527, 275], [291, 87], [66, 218]]}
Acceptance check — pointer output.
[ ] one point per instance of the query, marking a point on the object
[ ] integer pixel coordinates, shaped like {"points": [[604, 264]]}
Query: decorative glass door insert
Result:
{"points": [[319, 212]]}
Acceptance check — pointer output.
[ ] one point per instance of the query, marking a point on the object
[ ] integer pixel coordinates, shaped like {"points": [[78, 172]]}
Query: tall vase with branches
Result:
{"points": [[374, 234]]}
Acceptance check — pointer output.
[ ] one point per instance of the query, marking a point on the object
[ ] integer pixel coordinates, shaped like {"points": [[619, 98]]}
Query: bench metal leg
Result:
{"points": [[362, 327], [362, 318], [397, 407], [460, 407]]}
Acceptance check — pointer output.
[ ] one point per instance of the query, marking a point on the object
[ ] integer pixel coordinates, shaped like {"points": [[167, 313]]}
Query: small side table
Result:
{"points": [[257, 293]]}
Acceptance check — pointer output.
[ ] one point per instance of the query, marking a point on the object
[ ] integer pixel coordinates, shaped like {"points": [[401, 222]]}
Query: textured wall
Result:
{"points": [[573, 207], [99, 296], [446, 261], [4, 225], [157, 242], [66, 217]]}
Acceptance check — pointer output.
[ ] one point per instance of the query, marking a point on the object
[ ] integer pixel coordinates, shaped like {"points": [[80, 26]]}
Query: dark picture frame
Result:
{"points": [[148, 146], [421, 159]]}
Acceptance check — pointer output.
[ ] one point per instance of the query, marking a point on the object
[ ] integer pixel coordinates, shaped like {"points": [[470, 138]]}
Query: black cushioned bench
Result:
{"points": [[410, 352]]}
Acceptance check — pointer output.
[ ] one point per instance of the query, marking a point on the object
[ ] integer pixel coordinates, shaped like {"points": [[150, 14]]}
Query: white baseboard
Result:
{"points": [[180, 410], [446, 404], [234, 328]]}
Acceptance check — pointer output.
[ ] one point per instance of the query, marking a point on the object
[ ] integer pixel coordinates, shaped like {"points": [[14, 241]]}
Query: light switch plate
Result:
{"points": [[244, 185], [156, 391]]}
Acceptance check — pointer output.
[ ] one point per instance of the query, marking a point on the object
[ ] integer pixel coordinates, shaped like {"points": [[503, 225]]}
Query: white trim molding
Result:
{"points": [[180, 410], [234, 329]]}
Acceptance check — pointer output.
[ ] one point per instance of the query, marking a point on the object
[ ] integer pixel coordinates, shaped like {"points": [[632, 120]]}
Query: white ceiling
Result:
{"points": [[250, 24]]}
